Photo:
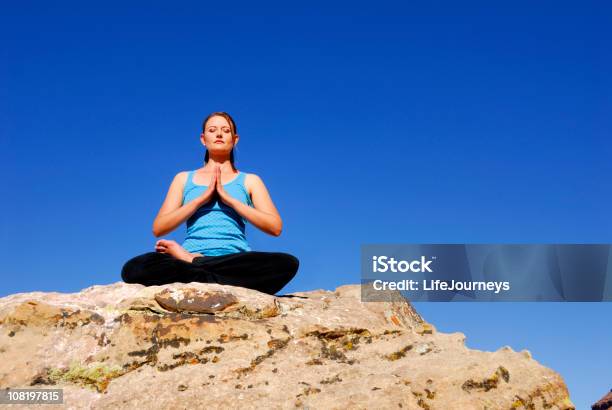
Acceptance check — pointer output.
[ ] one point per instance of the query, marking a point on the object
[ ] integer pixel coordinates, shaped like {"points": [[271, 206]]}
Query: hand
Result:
{"points": [[223, 195], [210, 191]]}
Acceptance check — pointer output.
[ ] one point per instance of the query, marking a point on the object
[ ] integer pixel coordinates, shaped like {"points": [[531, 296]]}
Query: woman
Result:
{"points": [[216, 201]]}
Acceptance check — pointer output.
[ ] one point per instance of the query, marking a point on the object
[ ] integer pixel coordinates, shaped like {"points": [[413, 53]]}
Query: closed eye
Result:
{"points": [[226, 129]]}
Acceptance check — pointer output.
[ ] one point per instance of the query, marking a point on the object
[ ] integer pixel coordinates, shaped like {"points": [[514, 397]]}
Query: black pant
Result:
{"points": [[266, 272]]}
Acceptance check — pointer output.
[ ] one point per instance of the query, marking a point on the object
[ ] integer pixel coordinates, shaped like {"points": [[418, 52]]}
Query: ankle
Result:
{"points": [[193, 256]]}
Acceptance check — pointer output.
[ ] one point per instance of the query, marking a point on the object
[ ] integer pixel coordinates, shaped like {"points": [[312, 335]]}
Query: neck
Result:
{"points": [[223, 162]]}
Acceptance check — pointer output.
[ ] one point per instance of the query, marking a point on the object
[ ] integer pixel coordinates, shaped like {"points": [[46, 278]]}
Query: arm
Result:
{"points": [[264, 214], [172, 214]]}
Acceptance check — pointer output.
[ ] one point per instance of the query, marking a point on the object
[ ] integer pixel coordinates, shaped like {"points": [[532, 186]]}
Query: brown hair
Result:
{"points": [[232, 124]]}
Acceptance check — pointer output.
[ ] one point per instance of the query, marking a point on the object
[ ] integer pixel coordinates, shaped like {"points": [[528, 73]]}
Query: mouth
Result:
{"points": [[218, 142]]}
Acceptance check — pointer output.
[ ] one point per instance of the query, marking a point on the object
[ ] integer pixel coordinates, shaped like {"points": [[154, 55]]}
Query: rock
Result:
{"points": [[210, 345], [195, 301], [604, 403]]}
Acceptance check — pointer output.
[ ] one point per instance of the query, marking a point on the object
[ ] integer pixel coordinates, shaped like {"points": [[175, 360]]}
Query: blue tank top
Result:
{"points": [[216, 228]]}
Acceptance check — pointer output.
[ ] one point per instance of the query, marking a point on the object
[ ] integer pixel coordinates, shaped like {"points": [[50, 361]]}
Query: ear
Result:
{"points": [[236, 138], [202, 139]]}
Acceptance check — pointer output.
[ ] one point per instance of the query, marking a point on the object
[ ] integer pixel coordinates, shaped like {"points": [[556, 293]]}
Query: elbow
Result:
{"points": [[156, 231], [277, 230]]}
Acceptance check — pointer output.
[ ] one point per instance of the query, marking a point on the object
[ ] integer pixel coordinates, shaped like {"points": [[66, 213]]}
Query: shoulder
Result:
{"points": [[252, 181], [180, 178]]}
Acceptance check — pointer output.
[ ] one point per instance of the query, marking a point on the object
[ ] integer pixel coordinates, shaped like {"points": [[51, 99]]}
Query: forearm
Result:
{"points": [[269, 223], [164, 224]]}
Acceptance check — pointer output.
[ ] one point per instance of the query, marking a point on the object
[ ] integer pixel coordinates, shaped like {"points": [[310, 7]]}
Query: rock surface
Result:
{"points": [[201, 345], [604, 403]]}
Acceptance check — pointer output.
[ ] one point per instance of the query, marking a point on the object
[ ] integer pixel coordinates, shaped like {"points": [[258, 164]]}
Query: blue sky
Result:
{"points": [[369, 123]]}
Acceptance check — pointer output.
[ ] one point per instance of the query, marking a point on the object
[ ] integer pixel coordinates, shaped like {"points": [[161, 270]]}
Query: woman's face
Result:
{"points": [[217, 135]]}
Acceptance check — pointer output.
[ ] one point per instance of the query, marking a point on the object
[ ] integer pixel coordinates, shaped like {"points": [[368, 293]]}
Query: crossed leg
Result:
{"points": [[266, 272]]}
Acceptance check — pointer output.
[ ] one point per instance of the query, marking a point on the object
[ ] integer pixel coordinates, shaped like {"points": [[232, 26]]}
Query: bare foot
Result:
{"points": [[174, 249]]}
